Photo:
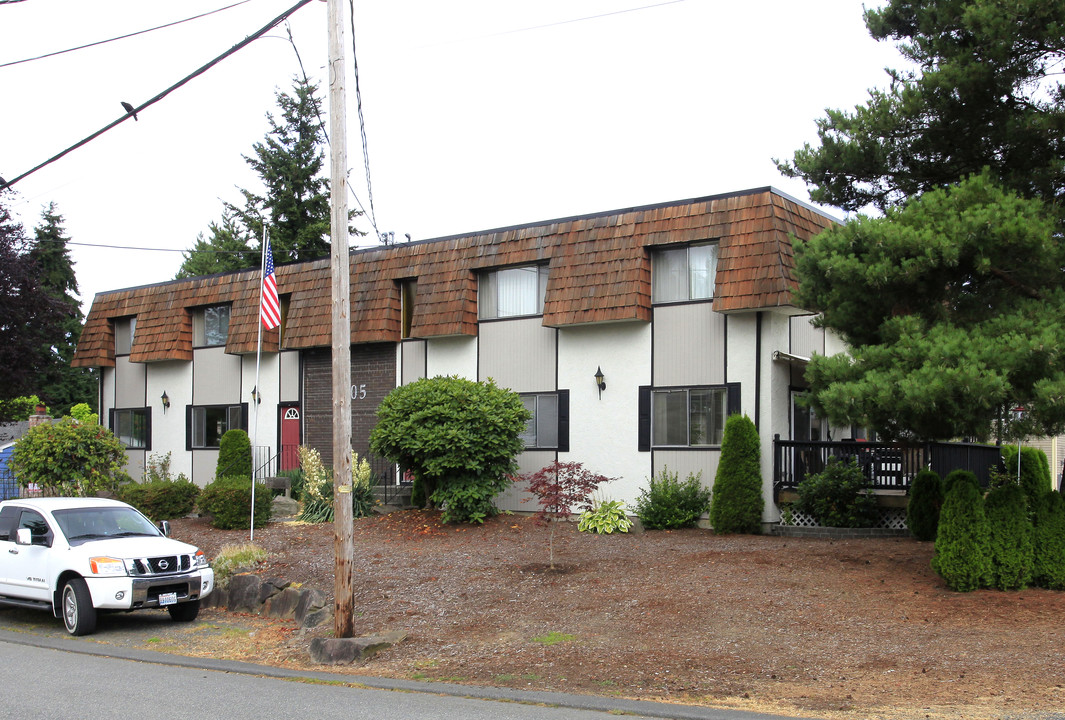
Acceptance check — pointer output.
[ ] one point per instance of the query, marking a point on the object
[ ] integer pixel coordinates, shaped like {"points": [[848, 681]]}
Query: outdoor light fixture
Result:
{"points": [[600, 381], [255, 395], [166, 401]]}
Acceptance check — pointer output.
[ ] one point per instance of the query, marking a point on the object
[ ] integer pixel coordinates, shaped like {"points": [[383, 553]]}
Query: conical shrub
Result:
{"points": [[1048, 538], [962, 554], [1010, 538], [736, 504], [926, 500]]}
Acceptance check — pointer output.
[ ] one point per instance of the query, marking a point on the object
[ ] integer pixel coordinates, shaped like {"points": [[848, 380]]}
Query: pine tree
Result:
{"points": [[59, 384], [228, 249], [1010, 538], [962, 553]]}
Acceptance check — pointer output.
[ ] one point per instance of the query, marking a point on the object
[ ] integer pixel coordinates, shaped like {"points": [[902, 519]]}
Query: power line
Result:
{"points": [[362, 121], [120, 37], [195, 73]]}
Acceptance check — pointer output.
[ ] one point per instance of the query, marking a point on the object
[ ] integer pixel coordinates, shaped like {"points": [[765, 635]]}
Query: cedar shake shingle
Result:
{"points": [[600, 271]]}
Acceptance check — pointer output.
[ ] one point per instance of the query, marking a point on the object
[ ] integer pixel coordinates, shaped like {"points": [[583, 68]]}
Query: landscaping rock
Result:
{"points": [[285, 507], [283, 604], [244, 589], [340, 651]]}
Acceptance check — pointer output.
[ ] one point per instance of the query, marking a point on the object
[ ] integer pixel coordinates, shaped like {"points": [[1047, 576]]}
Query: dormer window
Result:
{"points": [[210, 326], [512, 292], [125, 328], [684, 274]]}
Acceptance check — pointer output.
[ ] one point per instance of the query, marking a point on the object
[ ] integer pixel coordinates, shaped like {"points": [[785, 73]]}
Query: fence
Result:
{"points": [[887, 466]]}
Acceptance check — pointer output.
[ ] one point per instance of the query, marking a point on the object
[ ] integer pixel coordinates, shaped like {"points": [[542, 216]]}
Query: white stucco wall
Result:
{"points": [[168, 428], [452, 356], [603, 431]]}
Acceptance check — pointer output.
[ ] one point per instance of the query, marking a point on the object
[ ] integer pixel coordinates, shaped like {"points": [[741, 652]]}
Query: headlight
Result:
{"points": [[107, 566], [199, 559]]}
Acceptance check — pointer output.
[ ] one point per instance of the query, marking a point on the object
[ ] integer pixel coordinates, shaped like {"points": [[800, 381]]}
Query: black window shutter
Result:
{"points": [[563, 420], [111, 419], [244, 417], [188, 427], [644, 414], [733, 398]]}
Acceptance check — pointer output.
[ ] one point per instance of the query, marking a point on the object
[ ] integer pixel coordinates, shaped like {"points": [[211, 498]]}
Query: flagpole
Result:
{"points": [[255, 390]]}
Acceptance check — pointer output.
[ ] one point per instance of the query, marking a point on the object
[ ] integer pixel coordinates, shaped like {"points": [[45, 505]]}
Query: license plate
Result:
{"points": [[167, 599]]}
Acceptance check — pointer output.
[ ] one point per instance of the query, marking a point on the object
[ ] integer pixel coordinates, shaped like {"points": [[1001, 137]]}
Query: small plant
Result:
{"points": [[606, 517], [559, 488], [838, 496], [228, 502], [234, 557], [668, 503], [736, 503], [926, 500], [318, 499]]}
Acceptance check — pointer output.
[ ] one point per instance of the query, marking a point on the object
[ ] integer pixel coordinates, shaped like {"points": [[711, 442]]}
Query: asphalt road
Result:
{"points": [[52, 677]]}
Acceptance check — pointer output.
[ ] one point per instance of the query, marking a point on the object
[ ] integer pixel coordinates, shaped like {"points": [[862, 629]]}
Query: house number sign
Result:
{"points": [[358, 392]]}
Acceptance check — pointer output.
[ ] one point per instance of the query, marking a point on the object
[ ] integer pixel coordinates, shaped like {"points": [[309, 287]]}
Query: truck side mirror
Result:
{"points": [[23, 536], [164, 527]]}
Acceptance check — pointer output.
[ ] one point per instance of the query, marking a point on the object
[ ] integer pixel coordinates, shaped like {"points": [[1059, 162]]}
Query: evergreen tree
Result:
{"points": [[59, 384], [294, 201], [1035, 473], [736, 503], [962, 554], [926, 501], [1049, 542], [29, 315], [1010, 537], [985, 91]]}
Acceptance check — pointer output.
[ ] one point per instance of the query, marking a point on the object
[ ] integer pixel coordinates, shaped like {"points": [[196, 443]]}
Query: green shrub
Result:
{"points": [[736, 503], [70, 458], [228, 501], [962, 552], [956, 476], [235, 557], [83, 413], [1035, 472], [607, 517], [234, 455], [667, 503], [1048, 540], [838, 496], [1010, 537], [318, 490], [161, 499], [295, 482], [926, 500], [460, 438]]}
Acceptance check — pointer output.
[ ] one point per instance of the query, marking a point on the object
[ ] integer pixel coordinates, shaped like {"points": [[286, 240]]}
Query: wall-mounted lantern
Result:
{"points": [[600, 381], [166, 401]]}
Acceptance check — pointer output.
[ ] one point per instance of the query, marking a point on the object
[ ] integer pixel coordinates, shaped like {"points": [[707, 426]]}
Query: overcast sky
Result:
{"points": [[479, 113]]}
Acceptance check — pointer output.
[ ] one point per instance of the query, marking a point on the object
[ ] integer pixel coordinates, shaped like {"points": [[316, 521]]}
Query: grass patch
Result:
{"points": [[506, 677], [554, 638], [233, 557]]}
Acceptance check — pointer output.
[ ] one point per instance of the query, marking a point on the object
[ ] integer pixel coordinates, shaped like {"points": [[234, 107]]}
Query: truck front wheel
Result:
{"points": [[79, 616], [184, 612]]}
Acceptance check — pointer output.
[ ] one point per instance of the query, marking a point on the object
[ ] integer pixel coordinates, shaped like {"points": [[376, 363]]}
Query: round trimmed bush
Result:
{"points": [[926, 500], [736, 503], [228, 501]]}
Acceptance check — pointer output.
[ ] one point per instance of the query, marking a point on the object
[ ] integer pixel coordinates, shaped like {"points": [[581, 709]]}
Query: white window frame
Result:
{"points": [[232, 419], [684, 274], [542, 431], [512, 292], [702, 428]]}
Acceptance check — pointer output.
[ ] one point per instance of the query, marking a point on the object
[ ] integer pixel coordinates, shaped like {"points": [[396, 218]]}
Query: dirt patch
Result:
{"points": [[848, 628]]}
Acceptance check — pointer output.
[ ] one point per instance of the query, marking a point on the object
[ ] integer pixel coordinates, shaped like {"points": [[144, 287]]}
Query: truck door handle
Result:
{"points": [[13, 551]]}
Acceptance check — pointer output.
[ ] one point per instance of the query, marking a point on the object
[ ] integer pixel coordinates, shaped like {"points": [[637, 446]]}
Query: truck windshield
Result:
{"points": [[94, 523]]}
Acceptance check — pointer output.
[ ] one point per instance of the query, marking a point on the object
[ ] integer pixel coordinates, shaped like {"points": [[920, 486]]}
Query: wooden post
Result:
{"points": [[343, 529]]}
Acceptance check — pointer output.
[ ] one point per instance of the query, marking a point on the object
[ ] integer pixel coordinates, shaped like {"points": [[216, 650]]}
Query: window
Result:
{"points": [[124, 331], [132, 427], [682, 274], [210, 326], [513, 292], [408, 292], [208, 423], [548, 428], [679, 417]]}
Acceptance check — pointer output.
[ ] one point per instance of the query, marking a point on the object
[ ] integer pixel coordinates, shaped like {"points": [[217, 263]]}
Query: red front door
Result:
{"points": [[290, 438]]}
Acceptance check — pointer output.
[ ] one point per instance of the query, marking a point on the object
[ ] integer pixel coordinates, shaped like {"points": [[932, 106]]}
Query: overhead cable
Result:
{"points": [[195, 73], [120, 37]]}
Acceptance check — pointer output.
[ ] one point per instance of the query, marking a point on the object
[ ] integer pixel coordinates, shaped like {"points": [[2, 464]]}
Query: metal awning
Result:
{"points": [[781, 356]]}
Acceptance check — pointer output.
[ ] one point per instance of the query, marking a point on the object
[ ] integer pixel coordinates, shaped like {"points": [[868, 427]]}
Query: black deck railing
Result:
{"points": [[887, 466]]}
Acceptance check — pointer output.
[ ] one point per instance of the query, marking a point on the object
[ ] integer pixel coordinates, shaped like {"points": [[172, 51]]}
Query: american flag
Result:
{"points": [[270, 306]]}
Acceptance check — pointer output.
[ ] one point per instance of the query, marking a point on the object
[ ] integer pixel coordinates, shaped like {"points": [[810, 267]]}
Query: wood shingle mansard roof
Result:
{"points": [[600, 271]]}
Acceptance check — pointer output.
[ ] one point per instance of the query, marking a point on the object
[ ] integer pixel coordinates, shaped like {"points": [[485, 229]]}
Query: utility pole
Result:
{"points": [[343, 528]]}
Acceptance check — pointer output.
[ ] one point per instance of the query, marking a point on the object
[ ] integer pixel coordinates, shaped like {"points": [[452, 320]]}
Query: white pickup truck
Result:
{"points": [[77, 556]]}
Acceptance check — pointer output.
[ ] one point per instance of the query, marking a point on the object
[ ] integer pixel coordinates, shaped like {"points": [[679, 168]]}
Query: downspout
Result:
{"points": [[758, 371]]}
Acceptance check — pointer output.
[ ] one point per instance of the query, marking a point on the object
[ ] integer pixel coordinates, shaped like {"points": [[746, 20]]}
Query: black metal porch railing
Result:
{"points": [[887, 466]]}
